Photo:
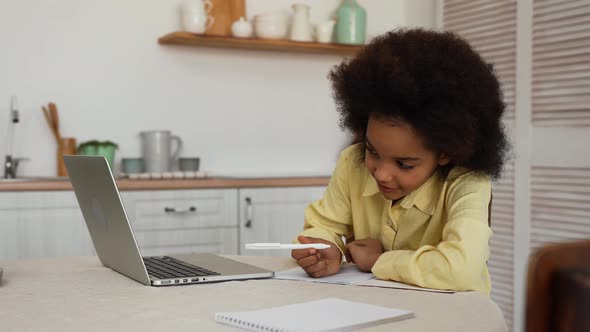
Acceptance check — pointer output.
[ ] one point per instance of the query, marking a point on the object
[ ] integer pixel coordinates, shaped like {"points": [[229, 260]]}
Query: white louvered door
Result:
{"points": [[490, 27], [560, 176], [544, 195], [560, 204], [561, 59]]}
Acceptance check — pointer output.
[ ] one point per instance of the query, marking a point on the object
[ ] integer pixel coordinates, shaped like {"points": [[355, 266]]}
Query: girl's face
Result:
{"points": [[397, 158]]}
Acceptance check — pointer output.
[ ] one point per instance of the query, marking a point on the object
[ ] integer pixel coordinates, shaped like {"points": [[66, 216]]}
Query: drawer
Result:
{"points": [[172, 210], [38, 200], [223, 240]]}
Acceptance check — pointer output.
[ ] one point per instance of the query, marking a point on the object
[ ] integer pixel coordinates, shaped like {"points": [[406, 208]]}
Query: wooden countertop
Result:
{"points": [[205, 183]]}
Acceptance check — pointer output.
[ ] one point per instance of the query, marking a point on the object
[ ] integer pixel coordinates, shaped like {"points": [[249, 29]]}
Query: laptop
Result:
{"points": [[114, 241]]}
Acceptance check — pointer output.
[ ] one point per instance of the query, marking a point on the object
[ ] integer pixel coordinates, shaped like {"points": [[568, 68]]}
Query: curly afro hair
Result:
{"points": [[433, 81]]}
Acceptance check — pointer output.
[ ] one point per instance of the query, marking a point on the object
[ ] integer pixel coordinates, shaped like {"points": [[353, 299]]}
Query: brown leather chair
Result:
{"points": [[558, 288]]}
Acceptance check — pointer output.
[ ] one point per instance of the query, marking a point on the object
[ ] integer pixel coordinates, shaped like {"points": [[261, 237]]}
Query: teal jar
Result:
{"points": [[88, 148], [351, 23], [96, 148]]}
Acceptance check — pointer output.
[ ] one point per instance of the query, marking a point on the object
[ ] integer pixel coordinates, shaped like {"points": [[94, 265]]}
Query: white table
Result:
{"points": [[79, 294]]}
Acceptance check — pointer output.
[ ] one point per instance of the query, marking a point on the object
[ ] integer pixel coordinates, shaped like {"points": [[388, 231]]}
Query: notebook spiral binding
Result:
{"points": [[234, 322]]}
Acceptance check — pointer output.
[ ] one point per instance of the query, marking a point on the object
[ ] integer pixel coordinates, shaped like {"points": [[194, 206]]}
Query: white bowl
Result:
{"points": [[276, 14], [271, 30], [272, 18]]}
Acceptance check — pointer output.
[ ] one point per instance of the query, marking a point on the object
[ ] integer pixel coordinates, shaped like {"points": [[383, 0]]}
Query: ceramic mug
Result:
{"points": [[324, 31]]}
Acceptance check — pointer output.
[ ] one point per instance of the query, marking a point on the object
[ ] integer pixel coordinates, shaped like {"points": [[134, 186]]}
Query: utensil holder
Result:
{"points": [[66, 146], [225, 12]]}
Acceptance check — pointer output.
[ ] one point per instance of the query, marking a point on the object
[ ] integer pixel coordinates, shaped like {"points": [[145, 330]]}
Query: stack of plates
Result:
{"points": [[272, 25]]}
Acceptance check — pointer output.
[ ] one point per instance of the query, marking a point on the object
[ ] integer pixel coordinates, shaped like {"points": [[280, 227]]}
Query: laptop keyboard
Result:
{"points": [[169, 268]]}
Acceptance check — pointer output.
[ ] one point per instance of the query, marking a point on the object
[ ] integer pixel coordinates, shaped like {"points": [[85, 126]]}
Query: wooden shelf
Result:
{"points": [[186, 38]]}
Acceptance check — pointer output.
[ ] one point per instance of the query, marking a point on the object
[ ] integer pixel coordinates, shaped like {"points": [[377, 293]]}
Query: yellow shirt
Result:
{"points": [[436, 236]]}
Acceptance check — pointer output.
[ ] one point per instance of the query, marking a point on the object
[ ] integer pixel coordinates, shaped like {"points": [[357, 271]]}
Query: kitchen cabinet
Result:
{"points": [[36, 224], [273, 215], [185, 221], [42, 224]]}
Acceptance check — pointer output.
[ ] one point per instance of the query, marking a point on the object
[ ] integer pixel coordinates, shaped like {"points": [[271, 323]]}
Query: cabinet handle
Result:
{"points": [[191, 209], [248, 213]]}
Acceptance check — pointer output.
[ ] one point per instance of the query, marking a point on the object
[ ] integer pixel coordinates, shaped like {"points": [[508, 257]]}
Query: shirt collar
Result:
{"points": [[424, 197], [371, 187]]}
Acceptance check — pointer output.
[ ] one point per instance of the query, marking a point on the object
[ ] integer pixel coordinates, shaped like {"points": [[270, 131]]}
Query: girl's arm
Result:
{"points": [[330, 218], [459, 261]]}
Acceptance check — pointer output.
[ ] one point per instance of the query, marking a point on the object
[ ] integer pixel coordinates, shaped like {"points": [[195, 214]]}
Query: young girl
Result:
{"points": [[411, 199]]}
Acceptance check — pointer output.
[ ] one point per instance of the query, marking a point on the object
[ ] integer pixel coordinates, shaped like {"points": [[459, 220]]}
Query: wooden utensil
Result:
{"points": [[225, 12], [49, 118], [65, 145], [55, 118]]}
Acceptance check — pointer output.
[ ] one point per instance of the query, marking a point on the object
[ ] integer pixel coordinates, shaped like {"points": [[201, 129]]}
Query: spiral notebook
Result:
{"points": [[330, 314]]}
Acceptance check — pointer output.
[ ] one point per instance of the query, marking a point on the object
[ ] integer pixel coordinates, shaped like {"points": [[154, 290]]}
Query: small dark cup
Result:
{"points": [[132, 165], [189, 164]]}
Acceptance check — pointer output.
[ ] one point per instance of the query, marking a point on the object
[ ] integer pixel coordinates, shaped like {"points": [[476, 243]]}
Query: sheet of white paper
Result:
{"points": [[350, 275], [399, 285]]}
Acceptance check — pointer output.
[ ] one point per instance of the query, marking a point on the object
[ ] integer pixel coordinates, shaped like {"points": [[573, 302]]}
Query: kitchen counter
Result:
{"points": [[52, 184]]}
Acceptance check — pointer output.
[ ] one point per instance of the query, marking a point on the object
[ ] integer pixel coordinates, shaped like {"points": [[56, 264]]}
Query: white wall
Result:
{"points": [[243, 112]]}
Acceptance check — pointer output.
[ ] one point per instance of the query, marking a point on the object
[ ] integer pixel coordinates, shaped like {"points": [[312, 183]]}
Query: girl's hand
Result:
{"points": [[364, 253], [318, 263]]}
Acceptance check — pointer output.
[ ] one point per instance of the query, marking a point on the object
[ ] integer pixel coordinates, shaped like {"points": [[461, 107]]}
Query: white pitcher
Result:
{"points": [[301, 27], [156, 148], [195, 15]]}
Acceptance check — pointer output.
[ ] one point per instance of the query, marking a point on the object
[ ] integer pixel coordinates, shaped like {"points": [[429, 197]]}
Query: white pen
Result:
{"points": [[274, 246]]}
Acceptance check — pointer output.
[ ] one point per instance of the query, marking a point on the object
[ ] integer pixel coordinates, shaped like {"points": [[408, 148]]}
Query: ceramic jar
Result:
{"points": [[301, 27], [351, 23], [242, 28], [99, 148]]}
